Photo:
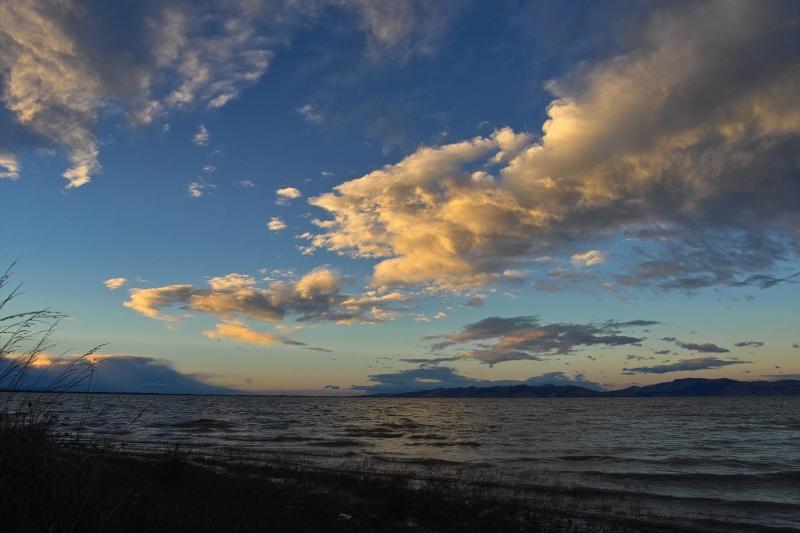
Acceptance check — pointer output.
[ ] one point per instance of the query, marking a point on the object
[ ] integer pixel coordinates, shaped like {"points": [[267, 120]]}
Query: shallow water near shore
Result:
{"points": [[733, 457]]}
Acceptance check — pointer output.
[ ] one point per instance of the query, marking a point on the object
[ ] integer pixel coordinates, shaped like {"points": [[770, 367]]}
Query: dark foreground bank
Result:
{"points": [[51, 486]]}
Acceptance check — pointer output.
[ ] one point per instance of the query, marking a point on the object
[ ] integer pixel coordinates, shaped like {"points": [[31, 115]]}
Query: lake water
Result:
{"points": [[728, 456]]}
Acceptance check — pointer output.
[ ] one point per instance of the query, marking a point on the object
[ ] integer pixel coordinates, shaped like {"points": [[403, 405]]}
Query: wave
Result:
{"points": [[697, 477], [197, 424]]}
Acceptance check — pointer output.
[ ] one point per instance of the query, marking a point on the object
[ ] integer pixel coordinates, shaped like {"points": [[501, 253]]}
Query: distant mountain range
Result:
{"points": [[679, 387]]}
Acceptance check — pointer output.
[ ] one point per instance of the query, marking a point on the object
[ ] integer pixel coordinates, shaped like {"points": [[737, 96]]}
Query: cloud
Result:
{"points": [[115, 283], [331, 387], [562, 278], [434, 377], [749, 344], [66, 68], [686, 365], [276, 224], [117, 373], [286, 194], [765, 281], [236, 330], [247, 184], [475, 302], [525, 337], [701, 179], [431, 360], [405, 28], [9, 168], [197, 189], [704, 347], [310, 114], [292, 342], [201, 137], [587, 259], [314, 297]]}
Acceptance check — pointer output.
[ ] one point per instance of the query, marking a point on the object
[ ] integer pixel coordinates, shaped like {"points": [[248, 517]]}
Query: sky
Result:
{"points": [[353, 196]]}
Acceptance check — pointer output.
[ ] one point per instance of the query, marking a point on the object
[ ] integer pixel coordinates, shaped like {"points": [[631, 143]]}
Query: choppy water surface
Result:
{"points": [[742, 452]]}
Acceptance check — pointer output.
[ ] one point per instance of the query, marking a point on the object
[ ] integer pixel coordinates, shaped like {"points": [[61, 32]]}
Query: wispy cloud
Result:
{"points": [[704, 347], [525, 337], [59, 83], [686, 365], [115, 283], [310, 114], [9, 168], [201, 137]]}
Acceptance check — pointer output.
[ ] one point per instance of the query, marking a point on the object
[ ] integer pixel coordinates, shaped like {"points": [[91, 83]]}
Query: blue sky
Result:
{"points": [[567, 168]]}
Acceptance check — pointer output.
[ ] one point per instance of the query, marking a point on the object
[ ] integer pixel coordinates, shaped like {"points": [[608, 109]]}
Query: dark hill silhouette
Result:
{"points": [[678, 387]]}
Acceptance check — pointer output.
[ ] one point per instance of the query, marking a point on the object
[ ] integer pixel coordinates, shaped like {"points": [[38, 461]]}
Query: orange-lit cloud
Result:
{"points": [[235, 330], [115, 283], [314, 297], [685, 141]]}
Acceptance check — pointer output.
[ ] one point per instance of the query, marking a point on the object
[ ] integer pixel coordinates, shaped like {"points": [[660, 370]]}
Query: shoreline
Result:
{"points": [[190, 490]]}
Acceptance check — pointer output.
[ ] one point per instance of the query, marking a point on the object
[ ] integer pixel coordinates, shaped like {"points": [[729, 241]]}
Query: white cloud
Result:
{"points": [[201, 136], [197, 189], [310, 114], [247, 184], [231, 281], [276, 224], [9, 168], [59, 82], [587, 259], [286, 194], [115, 283]]}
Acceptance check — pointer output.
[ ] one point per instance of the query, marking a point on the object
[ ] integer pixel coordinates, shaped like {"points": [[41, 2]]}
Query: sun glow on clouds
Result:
{"points": [[625, 149], [314, 297], [235, 330], [115, 283], [276, 224], [286, 194]]}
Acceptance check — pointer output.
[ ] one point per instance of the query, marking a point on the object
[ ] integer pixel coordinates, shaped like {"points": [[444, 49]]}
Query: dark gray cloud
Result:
{"points": [[765, 281], [704, 347], [331, 387], [750, 344], [685, 365], [475, 301], [433, 377], [119, 373], [525, 337], [431, 360], [292, 342]]}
